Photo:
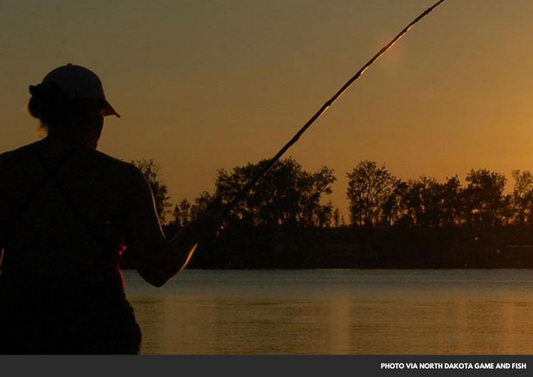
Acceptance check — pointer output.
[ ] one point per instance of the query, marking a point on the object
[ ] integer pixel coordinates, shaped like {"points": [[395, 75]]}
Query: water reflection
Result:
{"points": [[407, 313]]}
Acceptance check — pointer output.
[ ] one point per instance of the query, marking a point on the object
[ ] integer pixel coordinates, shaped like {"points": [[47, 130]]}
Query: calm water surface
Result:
{"points": [[358, 312]]}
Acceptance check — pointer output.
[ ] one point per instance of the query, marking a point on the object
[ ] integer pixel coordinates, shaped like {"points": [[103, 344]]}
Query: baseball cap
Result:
{"points": [[78, 82]]}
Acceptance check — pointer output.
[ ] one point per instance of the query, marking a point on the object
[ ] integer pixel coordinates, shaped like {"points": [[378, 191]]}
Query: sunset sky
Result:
{"points": [[209, 84]]}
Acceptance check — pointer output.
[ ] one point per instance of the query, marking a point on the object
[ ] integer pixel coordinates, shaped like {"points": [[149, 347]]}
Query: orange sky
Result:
{"points": [[210, 84]]}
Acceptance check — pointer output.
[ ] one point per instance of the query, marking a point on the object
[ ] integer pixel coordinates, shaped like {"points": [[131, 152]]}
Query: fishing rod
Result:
{"points": [[228, 207]]}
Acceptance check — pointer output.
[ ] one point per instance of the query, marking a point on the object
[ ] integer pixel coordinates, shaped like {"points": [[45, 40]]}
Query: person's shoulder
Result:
{"points": [[125, 169], [15, 152], [15, 156], [104, 159]]}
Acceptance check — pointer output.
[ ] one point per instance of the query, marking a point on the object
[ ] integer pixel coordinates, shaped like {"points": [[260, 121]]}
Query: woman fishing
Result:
{"points": [[67, 213]]}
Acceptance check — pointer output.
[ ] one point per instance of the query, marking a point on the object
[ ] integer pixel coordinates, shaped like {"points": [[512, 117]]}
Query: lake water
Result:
{"points": [[341, 312]]}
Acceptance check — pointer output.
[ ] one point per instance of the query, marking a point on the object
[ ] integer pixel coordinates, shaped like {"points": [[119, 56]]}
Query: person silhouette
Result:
{"points": [[67, 214]]}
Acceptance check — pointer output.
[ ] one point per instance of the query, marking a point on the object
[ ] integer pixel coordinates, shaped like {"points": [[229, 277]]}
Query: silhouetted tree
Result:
{"points": [[485, 202], [176, 218], [336, 218], [429, 203], [522, 197], [181, 215], [150, 171], [393, 207], [287, 195], [422, 201], [371, 193], [452, 201], [206, 203]]}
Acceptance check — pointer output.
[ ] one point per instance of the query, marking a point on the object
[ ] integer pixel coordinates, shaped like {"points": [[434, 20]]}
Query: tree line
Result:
{"points": [[288, 216], [292, 196], [377, 198]]}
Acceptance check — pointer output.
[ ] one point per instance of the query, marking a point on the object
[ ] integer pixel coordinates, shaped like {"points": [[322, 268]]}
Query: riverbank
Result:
{"points": [[347, 247]]}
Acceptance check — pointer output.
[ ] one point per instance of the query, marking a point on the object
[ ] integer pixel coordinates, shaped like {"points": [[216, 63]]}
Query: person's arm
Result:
{"points": [[156, 258]]}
